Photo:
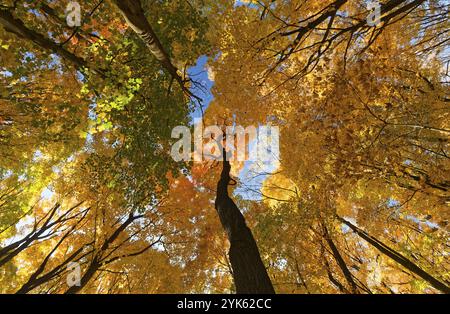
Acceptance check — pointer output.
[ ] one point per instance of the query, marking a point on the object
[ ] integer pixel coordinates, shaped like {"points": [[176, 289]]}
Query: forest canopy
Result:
{"points": [[352, 198]]}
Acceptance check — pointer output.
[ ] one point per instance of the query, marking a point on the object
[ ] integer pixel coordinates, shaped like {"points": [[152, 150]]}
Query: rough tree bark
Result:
{"points": [[397, 257], [249, 272]]}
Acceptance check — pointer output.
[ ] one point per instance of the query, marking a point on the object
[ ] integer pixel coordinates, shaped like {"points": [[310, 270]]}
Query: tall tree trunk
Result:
{"points": [[397, 257], [249, 272], [134, 15], [340, 261]]}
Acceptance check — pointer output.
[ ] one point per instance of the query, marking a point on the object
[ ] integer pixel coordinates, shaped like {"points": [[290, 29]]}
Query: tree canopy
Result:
{"points": [[357, 201]]}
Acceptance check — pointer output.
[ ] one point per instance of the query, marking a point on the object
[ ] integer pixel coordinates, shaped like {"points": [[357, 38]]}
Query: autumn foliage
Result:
{"points": [[358, 201]]}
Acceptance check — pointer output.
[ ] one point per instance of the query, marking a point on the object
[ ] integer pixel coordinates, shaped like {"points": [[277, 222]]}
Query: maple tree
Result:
{"points": [[358, 201]]}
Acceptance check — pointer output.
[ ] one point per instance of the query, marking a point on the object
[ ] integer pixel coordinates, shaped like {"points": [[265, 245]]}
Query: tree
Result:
{"points": [[398, 258], [249, 272], [86, 120]]}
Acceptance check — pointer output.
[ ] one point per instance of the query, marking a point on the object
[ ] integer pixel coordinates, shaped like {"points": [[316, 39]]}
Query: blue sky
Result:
{"points": [[199, 73]]}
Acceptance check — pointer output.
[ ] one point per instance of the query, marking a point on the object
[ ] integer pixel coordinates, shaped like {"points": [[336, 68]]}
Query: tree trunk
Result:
{"points": [[340, 261], [134, 15], [249, 272], [36, 279], [17, 27], [397, 257], [99, 258]]}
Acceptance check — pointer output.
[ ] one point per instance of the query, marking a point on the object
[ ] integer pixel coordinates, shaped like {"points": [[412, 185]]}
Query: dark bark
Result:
{"points": [[103, 257], [333, 280], [340, 261], [98, 258], [249, 272], [397, 257], [38, 277], [45, 228]]}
